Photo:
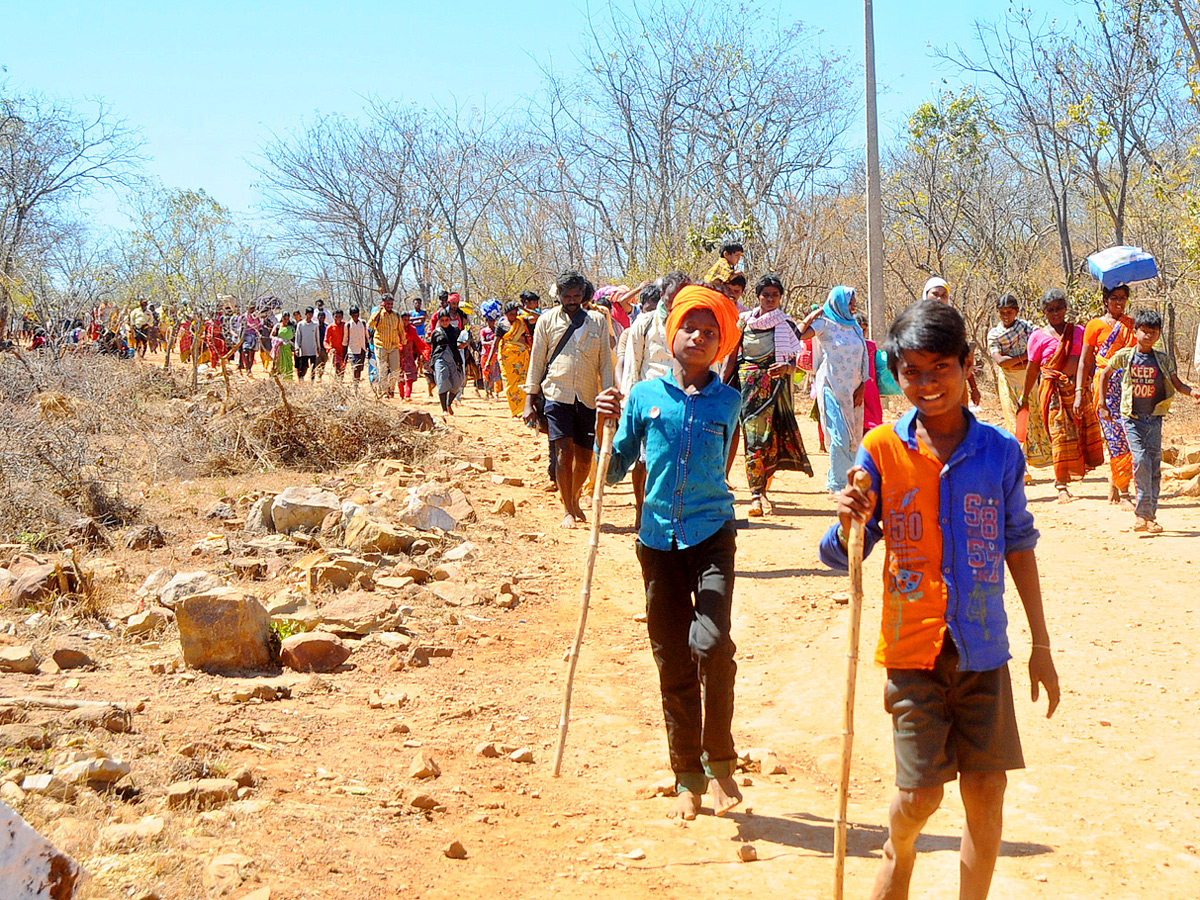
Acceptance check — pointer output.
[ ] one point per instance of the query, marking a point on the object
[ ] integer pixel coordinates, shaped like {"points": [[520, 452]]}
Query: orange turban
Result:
{"points": [[694, 296]]}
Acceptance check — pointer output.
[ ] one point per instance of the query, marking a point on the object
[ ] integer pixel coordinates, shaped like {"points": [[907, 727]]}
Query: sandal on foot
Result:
{"points": [[1153, 527], [1140, 524], [756, 510]]}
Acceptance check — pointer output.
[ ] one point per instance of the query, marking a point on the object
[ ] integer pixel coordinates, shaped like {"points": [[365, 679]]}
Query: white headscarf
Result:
{"points": [[932, 283]]}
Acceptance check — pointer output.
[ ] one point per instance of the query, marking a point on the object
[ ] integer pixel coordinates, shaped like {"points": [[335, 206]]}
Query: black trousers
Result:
{"points": [[689, 596]]}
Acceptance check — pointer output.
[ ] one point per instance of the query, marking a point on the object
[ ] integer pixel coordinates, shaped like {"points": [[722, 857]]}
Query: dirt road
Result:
{"points": [[1109, 806]]}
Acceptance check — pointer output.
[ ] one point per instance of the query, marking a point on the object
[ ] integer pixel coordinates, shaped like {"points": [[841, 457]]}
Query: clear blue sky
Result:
{"points": [[209, 82]]}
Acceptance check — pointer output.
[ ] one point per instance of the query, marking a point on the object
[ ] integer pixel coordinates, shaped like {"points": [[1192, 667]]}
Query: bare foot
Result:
{"points": [[1114, 495], [580, 517], [725, 794], [1126, 502], [687, 806], [1064, 496], [567, 522], [895, 874]]}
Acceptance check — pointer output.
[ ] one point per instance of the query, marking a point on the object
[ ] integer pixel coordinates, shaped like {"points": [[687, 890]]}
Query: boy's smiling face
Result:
{"points": [[932, 383], [1146, 337], [697, 340]]}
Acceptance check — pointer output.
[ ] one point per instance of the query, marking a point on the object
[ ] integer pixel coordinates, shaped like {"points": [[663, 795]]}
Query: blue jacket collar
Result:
{"points": [[906, 430]]}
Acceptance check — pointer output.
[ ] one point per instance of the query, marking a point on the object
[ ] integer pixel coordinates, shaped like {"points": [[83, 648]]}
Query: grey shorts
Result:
{"points": [[945, 721]]}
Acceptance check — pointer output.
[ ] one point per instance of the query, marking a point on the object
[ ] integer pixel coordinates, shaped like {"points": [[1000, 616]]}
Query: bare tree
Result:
{"points": [[345, 190], [51, 154], [672, 120]]}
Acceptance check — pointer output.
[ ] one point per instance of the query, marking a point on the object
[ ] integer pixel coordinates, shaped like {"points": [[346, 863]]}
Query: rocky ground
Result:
{"points": [[409, 621]]}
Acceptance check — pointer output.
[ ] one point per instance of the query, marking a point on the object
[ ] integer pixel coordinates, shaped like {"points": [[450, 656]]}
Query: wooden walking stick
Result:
{"points": [[854, 545], [606, 444]]}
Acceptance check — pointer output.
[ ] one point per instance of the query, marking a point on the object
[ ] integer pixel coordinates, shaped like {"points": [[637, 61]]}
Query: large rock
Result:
{"points": [[33, 583], [132, 834], [341, 573], [225, 631], [285, 606], [103, 770], [258, 518], [185, 584], [302, 508], [154, 582], [361, 612], [71, 658], [109, 718], [87, 533], [314, 651], [367, 535], [143, 537], [416, 418], [205, 793], [143, 623], [19, 659], [31, 868], [435, 505], [20, 736]]}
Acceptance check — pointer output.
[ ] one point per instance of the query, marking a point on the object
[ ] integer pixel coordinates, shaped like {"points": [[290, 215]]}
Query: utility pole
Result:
{"points": [[876, 312]]}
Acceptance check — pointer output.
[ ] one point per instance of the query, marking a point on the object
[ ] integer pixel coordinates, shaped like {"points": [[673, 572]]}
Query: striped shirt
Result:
{"points": [[389, 335]]}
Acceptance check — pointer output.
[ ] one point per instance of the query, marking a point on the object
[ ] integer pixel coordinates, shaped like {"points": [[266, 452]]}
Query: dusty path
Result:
{"points": [[1108, 808]]}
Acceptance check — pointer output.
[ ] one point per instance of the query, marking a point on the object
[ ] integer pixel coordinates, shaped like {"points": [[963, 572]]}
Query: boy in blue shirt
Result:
{"points": [[686, 544], [1147, 390], [947, 497]]}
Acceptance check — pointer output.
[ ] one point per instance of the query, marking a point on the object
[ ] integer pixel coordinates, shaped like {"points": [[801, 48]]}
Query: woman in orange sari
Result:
{"points": [[1054, 351], [1102, 338]]}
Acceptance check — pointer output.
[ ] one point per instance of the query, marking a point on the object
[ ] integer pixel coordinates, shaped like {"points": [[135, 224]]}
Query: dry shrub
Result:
{"points": [[66, 448], [310, 429]]}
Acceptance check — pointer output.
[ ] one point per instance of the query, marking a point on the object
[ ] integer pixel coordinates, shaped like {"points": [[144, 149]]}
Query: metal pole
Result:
{"points": [[876, 312]]}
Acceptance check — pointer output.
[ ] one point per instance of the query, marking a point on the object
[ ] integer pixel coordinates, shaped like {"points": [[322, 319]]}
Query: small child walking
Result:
{"points": [[1147, 390], [947, 497], [686, 543]]}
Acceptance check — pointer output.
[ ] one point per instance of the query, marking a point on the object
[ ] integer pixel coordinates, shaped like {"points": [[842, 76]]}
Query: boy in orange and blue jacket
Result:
{"points": [[947, 497]]}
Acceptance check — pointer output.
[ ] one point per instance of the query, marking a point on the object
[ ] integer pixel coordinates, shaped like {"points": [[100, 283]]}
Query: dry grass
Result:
{"points": [[271, 426], [84, 434]]}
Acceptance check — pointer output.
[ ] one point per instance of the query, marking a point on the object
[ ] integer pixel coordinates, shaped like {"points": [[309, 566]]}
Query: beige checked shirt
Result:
{"points": [[582, 370]]}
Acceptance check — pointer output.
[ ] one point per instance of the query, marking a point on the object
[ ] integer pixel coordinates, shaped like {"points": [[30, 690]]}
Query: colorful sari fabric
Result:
{"points": [[1076, 444], [514, 363], [1108, 339], [772, 437], [1010, 383]]}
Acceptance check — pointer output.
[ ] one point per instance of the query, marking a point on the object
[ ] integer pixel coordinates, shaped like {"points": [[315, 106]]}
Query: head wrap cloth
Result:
{"points": [[932, 283], [694, 296]]}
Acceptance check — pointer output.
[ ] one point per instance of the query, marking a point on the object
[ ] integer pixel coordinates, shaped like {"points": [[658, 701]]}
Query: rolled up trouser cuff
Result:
{"points": [[691, 782], [720, 768]]}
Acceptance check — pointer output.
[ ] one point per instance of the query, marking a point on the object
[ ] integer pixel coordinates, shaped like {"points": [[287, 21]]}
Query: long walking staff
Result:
{"points": [[606, 445], [854, 545]]}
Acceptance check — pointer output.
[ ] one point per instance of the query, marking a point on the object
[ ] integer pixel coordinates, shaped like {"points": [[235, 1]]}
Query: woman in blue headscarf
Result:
{"points": [[842, 366]]}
